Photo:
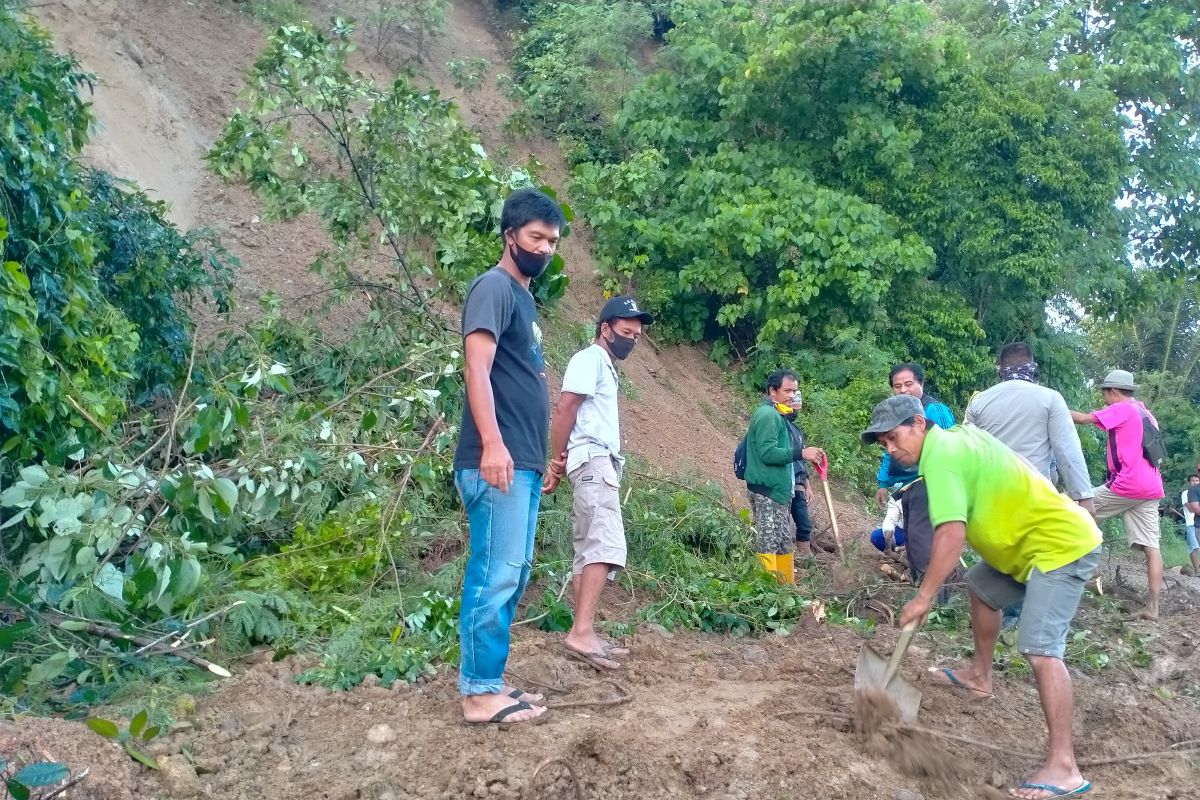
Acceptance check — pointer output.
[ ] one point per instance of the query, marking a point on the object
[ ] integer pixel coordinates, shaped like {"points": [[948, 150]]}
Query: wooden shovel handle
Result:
{"points": [[906, 634], [837, 536]]}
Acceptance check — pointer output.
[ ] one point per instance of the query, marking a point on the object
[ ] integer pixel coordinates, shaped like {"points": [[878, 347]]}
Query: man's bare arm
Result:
{"points": [[496, 465], [948, 542], [565, 414], [1080, 418]]}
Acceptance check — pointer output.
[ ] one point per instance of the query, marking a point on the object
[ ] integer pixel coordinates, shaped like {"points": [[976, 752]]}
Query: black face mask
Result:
{"points": [[529, 263], [621, 346]]}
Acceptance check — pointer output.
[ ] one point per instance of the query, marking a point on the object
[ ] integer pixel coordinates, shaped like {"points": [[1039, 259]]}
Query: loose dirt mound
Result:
{"points": [[707, 718]]}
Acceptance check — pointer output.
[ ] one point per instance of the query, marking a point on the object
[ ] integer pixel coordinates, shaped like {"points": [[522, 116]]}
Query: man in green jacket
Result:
{"points": [[770, 476]]}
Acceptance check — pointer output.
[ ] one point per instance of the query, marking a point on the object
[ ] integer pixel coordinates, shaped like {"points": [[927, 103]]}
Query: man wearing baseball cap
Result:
{"points": [[585, 437], [1036, 545], [1134, 485]]}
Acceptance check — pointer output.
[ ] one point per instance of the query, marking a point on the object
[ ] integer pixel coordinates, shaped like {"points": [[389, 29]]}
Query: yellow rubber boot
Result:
{"points": [[768, 561], [785, 568]]}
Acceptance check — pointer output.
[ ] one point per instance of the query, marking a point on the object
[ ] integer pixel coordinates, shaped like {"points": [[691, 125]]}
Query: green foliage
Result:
{"points": [[468, 74], [132, 739], [274, 12], [94, 279], [691, 558], [391, 166], [762, 253], [391, 20], [794, 168], [573, 65], [840, 385]]}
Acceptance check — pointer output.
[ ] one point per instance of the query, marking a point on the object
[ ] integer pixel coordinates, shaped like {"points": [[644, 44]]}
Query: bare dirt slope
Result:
{"points": [[705, 716]]}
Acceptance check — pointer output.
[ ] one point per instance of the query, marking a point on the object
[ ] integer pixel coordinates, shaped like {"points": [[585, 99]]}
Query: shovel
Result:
{"points": [[876, 672], [823, 472]]}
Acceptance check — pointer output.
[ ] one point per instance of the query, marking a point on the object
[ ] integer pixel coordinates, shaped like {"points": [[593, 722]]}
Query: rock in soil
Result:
{"points": [[178, 777], [754, 654], [381, 734]]}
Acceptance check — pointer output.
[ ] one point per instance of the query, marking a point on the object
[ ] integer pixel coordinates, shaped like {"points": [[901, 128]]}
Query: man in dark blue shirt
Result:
{"points": [[501, 453]]}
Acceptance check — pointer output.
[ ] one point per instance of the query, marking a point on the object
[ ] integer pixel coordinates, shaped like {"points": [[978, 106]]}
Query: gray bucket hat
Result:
{"points": [[890, 414], [1119, 379]]}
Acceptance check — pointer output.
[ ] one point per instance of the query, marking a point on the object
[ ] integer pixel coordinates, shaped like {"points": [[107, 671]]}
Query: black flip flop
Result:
{"points": [[504, 713]]}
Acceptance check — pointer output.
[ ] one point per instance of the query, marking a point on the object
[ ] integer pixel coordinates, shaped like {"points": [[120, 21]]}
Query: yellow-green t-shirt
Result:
{"points": [[1015, 518]]}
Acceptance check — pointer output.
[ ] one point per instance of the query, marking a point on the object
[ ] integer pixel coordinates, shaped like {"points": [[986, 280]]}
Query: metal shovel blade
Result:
{"points": [[872, 673]]}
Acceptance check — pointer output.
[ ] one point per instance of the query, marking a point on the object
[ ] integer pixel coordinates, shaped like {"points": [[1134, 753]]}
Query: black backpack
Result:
{"points": [[739, 460], [1153, 448]]}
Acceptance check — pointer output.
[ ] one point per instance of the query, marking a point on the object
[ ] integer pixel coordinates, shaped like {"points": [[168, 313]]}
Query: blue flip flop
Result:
{"points": [[953, 682], [1056, 791]]}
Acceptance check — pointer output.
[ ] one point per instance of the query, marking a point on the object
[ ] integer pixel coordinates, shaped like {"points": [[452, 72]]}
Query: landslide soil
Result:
{"points": [[705, 716]]}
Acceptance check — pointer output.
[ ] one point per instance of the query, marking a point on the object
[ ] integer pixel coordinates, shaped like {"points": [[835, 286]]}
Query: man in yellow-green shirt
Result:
{"points": [[1036, 544]]}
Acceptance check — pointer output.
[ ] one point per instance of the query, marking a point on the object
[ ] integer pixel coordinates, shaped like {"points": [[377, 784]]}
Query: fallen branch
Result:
{"points": [[623, 696], [954, 737], [71, 625], [385, 519], [561, 591], [68, 784], [998, 748], [1099, 762], [188, 628], [529, 792], [811, 712], [166, 465]]}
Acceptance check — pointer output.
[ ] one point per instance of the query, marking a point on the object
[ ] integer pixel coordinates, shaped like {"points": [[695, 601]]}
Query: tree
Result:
{"points": [[796, 167], [391, 166], [93, 278]]}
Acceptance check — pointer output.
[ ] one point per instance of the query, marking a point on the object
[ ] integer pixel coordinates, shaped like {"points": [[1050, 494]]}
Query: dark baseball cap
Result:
{"points": [[624, 307], [891, 414]]}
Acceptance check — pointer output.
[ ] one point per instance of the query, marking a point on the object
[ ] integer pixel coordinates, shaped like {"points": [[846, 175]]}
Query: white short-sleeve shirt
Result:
{"points": [[597, 430]]}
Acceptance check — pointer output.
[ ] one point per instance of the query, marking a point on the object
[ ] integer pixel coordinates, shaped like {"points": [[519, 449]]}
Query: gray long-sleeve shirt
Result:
{"points": [[1035, 423]]}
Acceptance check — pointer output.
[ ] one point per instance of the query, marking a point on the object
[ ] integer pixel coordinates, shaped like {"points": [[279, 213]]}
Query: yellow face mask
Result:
{"points": [[784, 409]]}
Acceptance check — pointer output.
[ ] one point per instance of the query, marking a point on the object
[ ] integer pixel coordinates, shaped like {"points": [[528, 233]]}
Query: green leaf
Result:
{"points": [[138, 755], [17, 790], [138, 723], [43, 773], [110, 581], [226, 495], [150, 733], [49, 669], [205, 505], [34, 475], [105, 727]]}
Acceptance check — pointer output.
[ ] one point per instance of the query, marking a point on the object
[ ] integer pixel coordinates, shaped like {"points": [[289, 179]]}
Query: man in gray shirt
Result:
{"points": [[1034, 422]]}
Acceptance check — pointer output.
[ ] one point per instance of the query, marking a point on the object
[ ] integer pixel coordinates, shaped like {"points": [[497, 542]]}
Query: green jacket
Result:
{"points": [[769, 455]]}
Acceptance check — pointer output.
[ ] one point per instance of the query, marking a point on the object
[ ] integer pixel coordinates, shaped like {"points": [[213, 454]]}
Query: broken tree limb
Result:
{"points": [[75, 625]]}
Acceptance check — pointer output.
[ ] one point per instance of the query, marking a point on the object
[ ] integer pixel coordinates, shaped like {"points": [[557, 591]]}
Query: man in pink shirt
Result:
{"points": [[1134, 485]]}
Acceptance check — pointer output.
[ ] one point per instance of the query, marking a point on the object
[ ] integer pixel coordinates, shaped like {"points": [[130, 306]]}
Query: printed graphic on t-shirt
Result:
{"points": [[539, 355]]}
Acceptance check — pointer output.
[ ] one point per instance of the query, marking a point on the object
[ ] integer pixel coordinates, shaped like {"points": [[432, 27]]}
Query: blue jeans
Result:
{"points": [[501, 558], [877, 538]]}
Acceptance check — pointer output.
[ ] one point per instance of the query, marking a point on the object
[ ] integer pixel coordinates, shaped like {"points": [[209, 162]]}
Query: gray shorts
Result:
{"points": [[598, 530], [1051, 599]]}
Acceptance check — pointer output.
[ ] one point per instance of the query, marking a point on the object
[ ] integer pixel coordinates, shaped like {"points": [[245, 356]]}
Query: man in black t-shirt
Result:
{"points": [[501, 453]]}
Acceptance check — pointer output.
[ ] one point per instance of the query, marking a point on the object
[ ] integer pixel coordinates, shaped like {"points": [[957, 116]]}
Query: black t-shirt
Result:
{"points": [[498, 304], [1193, 494], [798, 447]]}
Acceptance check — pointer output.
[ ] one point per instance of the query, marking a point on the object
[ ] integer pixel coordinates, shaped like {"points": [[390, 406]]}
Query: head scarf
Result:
{"points": [[1021, 372]]}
